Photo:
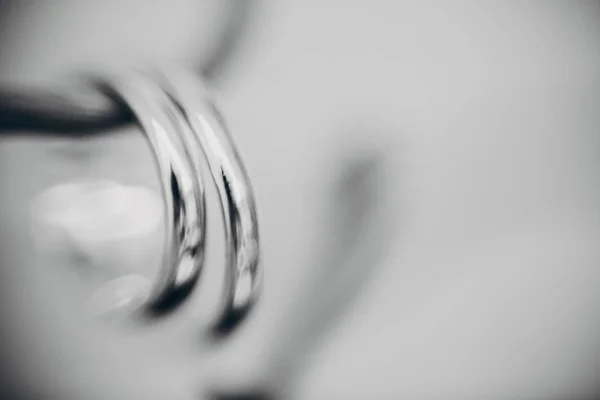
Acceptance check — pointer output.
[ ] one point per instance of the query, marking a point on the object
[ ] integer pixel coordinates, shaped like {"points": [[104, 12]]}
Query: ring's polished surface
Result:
{"points": [[182, 189], [243, 275], [183, 127]]}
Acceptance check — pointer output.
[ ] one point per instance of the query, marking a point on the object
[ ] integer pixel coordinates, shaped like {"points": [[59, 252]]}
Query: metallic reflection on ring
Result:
{"points": [[183, 126], [243, 273], [182, 191]]}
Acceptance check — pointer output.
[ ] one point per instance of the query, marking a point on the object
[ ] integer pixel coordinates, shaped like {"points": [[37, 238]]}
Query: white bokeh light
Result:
{"points": [[111, 226]]}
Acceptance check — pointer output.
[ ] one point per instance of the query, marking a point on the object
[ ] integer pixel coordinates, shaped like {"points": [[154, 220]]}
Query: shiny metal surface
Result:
{"points": [[182, 189], [183, 127], [243, 275]]}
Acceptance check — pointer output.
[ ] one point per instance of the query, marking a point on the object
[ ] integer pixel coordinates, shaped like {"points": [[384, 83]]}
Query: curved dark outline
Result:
{"points": [[83, 110]]}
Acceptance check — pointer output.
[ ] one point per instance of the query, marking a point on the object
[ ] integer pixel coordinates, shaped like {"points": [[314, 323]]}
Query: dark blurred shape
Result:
{"points": [[230, 38], [82, 110], [79, 111], [169, 303], [258, 395], [228, 324]]}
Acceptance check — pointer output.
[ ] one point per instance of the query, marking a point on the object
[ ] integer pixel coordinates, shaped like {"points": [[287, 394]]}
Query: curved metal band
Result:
{"points": [[243, 274], [183, 191]]}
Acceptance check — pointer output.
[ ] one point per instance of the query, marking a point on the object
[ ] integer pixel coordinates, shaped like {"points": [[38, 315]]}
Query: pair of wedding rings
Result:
{"points": [[186, 132]]}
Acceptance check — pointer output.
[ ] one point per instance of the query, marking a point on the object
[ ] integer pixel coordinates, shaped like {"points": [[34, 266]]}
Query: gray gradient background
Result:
{"points": [[487, 115]]}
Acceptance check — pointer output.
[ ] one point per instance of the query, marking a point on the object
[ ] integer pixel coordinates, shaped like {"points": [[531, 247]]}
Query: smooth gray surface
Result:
{"points": [[487, 116]]}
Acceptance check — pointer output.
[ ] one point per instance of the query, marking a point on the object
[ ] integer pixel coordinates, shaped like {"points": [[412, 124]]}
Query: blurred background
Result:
{"points": [[427, 177]]}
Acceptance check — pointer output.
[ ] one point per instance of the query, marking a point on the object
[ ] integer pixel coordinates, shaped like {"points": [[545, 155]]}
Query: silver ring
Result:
{"points": [[238, 204], [183, 126], [183, 192]]}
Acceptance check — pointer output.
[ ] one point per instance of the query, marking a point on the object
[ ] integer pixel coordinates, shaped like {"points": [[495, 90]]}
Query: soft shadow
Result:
{"points": [[357, 231]]}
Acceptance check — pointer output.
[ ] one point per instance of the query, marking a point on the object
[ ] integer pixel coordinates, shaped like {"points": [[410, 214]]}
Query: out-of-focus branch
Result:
{"points": [[82, 110]]}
